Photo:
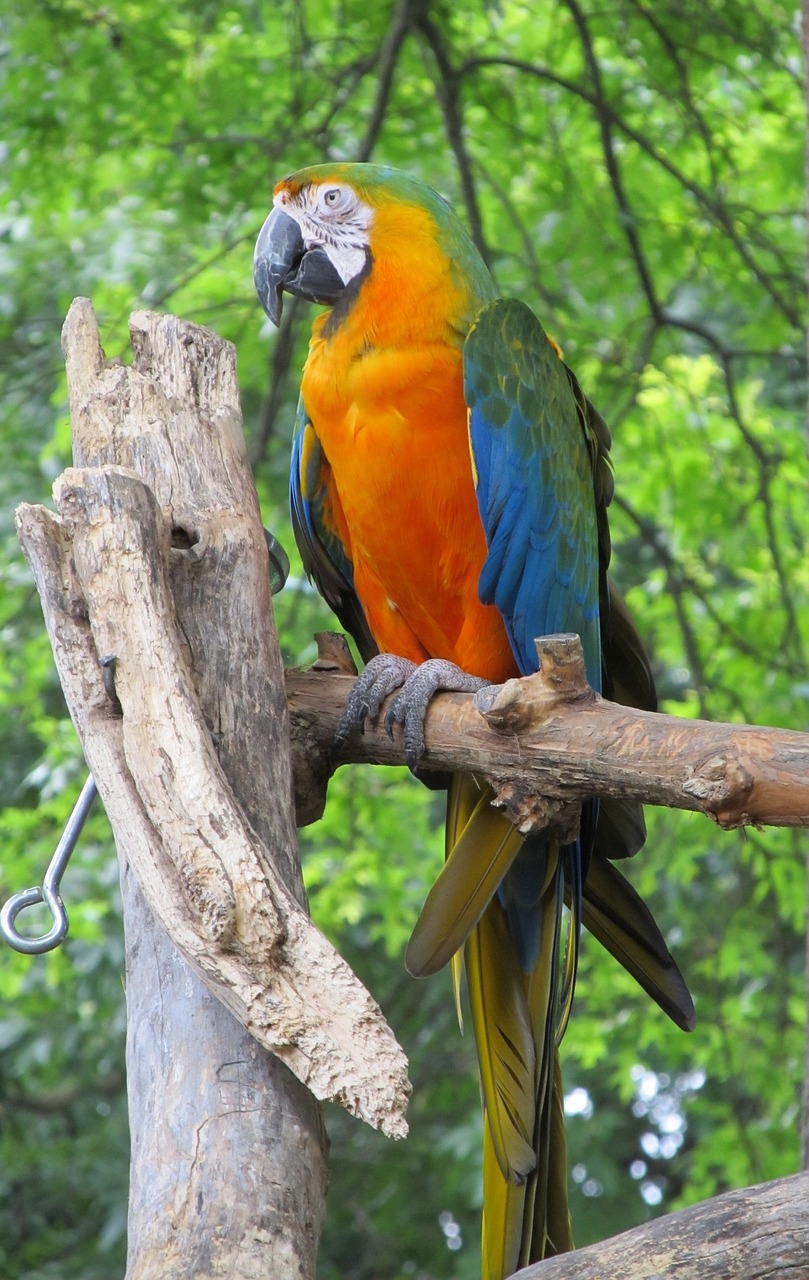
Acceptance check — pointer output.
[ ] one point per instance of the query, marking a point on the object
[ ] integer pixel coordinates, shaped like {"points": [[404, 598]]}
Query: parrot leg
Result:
{"points": [[383, 675], [410, 707]]}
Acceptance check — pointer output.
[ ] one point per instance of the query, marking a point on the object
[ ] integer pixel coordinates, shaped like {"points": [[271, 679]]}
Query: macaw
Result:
{"points": [[449, 490]]}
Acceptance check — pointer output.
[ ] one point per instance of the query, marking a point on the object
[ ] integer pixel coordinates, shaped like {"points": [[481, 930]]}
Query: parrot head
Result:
{"points": [[330, 222]]}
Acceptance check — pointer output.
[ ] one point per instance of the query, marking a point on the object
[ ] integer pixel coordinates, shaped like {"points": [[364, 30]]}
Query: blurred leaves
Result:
{"points": [[635, 174]]}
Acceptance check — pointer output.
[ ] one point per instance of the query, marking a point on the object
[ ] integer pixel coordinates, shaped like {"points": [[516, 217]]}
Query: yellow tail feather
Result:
{"points": [[505, 1044], [528, 1222], [514, 1017], [462, 797], [503, 1215], [479, 859]]}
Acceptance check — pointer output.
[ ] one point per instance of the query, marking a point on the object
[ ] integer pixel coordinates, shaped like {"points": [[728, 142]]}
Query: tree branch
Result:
{"points": [[755, 1234], [448, 91], [713, 206], [547, 741], [388, 57]]}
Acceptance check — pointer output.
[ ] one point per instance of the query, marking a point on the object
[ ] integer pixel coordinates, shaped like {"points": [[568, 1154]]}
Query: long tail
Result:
{"points": [[519, 991], [499, 904], [526, 1219]]}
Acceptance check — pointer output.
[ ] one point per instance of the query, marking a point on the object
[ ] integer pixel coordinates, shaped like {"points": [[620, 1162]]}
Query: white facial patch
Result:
{"points": [[331, 216]]}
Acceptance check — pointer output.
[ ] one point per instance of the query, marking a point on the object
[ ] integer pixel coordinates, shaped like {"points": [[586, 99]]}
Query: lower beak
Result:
{"points": [[282, 262]]}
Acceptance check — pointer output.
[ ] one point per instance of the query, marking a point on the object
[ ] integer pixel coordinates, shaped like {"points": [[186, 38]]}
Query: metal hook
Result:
{"points": [[49, 893]]}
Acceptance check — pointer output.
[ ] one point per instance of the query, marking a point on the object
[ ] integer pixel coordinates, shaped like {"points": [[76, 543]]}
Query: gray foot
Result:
{"points": [[410, 707], [381, 676]]}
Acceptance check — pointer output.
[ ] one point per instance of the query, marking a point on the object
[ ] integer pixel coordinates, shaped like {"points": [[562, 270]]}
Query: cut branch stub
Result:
{"points": [[333, 653], [722, 786], [522, 705]]}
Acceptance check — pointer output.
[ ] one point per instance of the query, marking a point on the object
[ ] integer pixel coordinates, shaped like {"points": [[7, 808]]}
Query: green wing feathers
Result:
{"points": [[617, 915]]}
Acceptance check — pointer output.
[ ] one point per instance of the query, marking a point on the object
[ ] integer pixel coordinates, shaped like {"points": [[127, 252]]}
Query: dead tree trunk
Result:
{"points": [[157, 559]]}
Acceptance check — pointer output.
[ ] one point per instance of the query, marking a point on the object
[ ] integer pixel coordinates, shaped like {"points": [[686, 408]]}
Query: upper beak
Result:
{"points": [[279, 249], [282, 261]]}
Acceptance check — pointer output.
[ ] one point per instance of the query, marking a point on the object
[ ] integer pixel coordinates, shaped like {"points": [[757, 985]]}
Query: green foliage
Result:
{"points": [[634, 173]]}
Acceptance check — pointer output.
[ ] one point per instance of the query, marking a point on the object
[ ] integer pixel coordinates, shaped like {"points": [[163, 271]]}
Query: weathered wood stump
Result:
{"points": [[157, 558]]}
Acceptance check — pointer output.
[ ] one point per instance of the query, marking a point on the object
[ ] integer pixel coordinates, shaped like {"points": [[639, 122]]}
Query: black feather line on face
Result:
{"points": [[348, 297]]}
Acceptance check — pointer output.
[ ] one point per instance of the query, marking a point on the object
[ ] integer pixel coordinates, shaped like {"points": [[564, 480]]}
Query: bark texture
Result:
{"points": [[761, 1233], [157, 560]]}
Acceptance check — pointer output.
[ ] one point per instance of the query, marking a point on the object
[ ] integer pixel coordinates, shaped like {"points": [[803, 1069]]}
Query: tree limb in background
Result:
{"points": [[760, 1233]]}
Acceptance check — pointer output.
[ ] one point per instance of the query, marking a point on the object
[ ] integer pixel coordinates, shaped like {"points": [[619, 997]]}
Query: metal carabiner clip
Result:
{"points": [[49, 892]]}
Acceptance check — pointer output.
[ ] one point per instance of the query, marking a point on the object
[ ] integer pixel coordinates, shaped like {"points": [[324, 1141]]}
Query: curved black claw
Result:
{"points": [[381, 676], [410, 707]]}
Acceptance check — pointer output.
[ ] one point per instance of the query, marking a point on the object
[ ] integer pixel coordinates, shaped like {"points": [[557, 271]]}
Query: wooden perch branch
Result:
{"points": [[756, 1234], [547, 741]]}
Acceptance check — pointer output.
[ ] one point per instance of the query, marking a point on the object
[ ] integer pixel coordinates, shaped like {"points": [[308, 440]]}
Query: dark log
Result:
{"points": [[761, 1233]]}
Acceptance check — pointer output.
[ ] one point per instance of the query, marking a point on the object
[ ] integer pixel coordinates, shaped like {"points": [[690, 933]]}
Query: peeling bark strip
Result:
{"points": [[547, 741], [761, 1233], [157, 557]]}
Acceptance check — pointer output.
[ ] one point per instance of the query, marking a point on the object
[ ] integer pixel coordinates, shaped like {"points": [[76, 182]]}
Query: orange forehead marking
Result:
{"points": [[287, 184], [293, 184]]}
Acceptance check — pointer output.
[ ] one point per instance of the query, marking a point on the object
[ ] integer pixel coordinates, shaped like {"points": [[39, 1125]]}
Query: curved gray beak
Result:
{"points": [[282, 262]]}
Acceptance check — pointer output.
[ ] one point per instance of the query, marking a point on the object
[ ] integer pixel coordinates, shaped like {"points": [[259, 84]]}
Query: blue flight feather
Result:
{"points": [[534, 481], [313, 501]]}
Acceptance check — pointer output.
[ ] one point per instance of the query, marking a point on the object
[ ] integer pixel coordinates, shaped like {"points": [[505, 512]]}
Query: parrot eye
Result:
{"points": [[335, 199]]}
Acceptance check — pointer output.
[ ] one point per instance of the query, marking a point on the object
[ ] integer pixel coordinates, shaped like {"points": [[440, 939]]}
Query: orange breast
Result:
{"points": [[392, 423]]}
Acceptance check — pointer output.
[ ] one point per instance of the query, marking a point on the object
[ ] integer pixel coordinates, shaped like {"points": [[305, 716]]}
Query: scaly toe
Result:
{"points": [[410, 707], [382, 676]]}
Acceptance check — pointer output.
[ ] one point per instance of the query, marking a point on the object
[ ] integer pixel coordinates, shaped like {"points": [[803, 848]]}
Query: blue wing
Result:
{"points": [[533, 457], [535, 462], [321, 533]]}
